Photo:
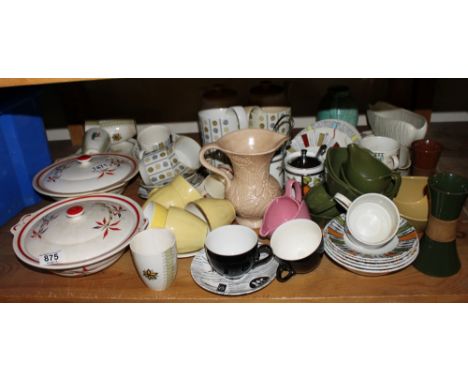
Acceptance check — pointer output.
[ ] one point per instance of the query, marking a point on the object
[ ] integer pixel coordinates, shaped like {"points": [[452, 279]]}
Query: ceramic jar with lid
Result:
{"points": [[304, 168], [338, 103]]}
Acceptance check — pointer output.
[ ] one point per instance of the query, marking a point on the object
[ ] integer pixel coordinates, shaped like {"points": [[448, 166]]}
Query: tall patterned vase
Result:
{"points": [[438, 251]]}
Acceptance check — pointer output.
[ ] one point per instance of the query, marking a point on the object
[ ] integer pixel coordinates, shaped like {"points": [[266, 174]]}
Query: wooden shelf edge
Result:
{"points": [[11, 82]]}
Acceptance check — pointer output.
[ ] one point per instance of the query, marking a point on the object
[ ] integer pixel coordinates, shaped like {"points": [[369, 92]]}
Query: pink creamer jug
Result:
{"points": [[284, 208]]}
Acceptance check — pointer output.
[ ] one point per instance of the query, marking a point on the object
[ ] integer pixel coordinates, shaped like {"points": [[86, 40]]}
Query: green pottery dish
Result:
{"points": [[318, 200], [365, 172], [334, 161]]}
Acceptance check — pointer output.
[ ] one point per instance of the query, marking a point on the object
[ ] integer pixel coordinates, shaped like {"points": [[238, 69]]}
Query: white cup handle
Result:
{"points": [[242, 117], [342, 200], [395, 163]]}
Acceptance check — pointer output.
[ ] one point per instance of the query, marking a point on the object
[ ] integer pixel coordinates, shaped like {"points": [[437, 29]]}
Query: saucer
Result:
{"points": [[406, 235], [397, 258], [390, 246], [256, 279], [190, 254]]}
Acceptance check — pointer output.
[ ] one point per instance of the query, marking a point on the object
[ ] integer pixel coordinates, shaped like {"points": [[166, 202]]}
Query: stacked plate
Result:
{"points": [[78, 236], [394, 256], [330, 132]]}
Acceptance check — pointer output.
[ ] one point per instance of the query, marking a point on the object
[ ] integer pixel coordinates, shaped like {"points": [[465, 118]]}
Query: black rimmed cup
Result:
{"points": [[298, 246], [232, 250]]}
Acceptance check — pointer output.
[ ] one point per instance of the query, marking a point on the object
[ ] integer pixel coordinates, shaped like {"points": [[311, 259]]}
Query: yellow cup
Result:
{"points": [[190, 231], [216, 212], [176, 194], [167, 197], [186, 191], [156, 214]]}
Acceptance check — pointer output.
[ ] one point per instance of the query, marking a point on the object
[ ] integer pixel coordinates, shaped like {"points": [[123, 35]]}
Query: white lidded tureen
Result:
{"points": [[86, 174], [78, 236]]}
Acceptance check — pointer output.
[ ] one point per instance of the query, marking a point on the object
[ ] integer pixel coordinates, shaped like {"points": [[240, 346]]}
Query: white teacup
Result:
{"points": [[155, 257], [119, 130], [371, 219], [384, 149], [214, 123], [187, 151], [96, 141], [129, 147], [155, 137], [267, 118], [158, 167]]}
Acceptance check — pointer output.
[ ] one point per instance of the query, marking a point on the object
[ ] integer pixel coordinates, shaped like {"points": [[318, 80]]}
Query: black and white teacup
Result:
{"points": [[298, 245], [232, 250]]}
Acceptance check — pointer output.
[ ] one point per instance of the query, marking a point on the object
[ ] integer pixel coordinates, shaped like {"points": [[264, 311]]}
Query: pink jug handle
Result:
{"points": [[220, 171], [291, 183]]}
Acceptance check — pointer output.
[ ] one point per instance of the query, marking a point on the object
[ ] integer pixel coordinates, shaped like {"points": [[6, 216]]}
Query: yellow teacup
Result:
{"points": [[176, 194], [156, 214], [187, 192], [216, 212], [190, 231]]}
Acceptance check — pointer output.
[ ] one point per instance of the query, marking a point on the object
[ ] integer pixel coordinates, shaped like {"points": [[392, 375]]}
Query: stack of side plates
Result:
{"points": [[394, 256]]}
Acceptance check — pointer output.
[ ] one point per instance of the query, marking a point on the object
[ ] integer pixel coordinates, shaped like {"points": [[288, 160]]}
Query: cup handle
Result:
{"points": [[263, 249], [241, 115], [342, 200], [297, 190], [396, 178], [223, 173], [395, 162], [284, 267]]}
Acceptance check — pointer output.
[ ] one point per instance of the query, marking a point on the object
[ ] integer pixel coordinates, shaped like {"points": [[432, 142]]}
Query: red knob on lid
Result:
{"points": [[75, 211], [84, 158]]}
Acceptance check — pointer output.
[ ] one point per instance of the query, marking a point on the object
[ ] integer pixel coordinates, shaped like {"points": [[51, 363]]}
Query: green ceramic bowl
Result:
{"points": [[335, 160], [365, 172], [318, 200], [323, 218]]}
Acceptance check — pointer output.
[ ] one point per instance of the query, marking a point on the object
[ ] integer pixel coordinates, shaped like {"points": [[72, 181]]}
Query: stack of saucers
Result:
{"points": [[396, 255]]}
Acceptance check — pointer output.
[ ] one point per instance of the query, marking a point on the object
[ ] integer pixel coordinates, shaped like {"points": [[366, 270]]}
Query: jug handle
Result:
{"points": [[297, 190], [224, 173], [342, 200]]}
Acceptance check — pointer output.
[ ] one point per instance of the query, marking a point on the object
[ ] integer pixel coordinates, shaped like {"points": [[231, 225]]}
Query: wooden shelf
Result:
{"points": [[328, 283], [10, 82]]}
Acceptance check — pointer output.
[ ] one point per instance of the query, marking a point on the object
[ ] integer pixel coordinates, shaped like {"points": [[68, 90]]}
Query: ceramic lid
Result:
{"points": [[79, 230], [219, 96], [304, 161], [85, 174], [268, 94]]}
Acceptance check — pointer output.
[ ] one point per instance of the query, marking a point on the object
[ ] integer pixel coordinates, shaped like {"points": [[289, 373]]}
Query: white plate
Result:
{"points": [[258, 278], [331, 132]]}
